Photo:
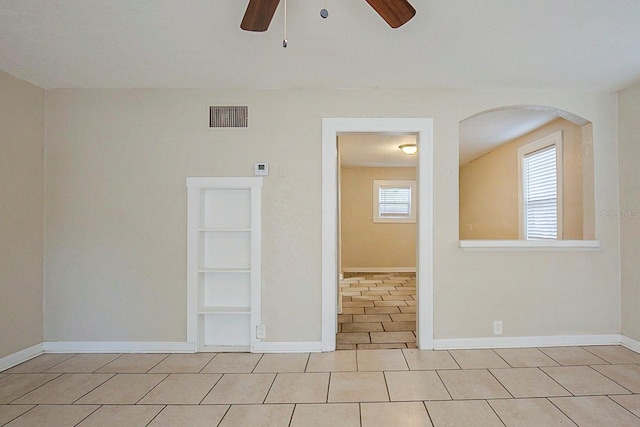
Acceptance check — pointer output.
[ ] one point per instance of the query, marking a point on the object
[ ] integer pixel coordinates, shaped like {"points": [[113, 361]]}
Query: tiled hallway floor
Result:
{"points": [[558, 386], [378, 311]]}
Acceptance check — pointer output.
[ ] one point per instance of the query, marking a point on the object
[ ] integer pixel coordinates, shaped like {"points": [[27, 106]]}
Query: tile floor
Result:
{"points": [[560, 386], [378, 311]]}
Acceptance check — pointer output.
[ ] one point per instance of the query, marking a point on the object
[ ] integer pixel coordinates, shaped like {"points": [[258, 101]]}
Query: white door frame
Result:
{"points": [[331, 128]]}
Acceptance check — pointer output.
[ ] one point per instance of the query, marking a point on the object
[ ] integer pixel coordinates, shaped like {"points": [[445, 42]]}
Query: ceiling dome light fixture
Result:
{"points": [[409, 149]]}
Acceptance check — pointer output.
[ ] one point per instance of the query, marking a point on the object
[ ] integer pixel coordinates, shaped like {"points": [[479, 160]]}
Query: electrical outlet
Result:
{"points": [[261, 332], [497, 327]]}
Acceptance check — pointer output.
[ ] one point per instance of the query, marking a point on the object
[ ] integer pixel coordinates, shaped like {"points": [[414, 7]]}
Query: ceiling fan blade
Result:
{"points": [[395, 12], [258, 15]]}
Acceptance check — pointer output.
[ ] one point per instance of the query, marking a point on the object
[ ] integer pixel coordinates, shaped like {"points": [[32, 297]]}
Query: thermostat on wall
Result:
{"points": [[262, 169]]}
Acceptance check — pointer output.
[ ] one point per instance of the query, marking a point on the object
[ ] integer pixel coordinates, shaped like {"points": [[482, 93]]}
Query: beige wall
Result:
{"points": [[21, 214], [116, 213], [629, 210], [489, 187], [366, 244]]}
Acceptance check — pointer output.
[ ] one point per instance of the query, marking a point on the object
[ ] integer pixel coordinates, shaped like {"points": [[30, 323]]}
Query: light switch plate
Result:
{"points": [[262, 169]]}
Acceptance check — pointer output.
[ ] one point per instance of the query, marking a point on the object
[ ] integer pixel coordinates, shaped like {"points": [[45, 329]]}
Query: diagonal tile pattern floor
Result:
{"points": [[378, 311], [558, 386]]}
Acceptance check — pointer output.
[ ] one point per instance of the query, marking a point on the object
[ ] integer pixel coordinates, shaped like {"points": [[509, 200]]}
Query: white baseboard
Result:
{"points": [[630, 343], [541, 341], [117, 347], [288, 347], [379, 270], [21, 356]]}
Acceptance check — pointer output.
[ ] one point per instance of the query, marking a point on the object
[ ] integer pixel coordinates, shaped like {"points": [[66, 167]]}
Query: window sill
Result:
{"points": [[529, 245]]}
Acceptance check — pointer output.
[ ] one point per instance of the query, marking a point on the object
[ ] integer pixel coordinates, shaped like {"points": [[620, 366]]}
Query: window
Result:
{"points": [[394, 201], [540, 189]]}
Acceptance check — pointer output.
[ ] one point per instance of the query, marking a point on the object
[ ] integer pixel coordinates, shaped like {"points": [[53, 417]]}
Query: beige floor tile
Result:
{"points": [[627, 376], [240, 389], [258, 416], [405, 414], [349, 304], [345, 318], [16, 385], [362, 327], [132, 363], [615, 354], [353, 310], [293, 362], [376, 292], [390, 337], [408, 309], [567, 356], [631, 402], [183, 363], [429, 359], [381, 360], [402, 291], [478, 359], [371, 318], [382, 310], [399, 326], [415, 385], [390, 346], [122, 389], [397, 298], [121, 416], [346, 347], [65, 389], [83, 363], [190, 415], [290, 387], [54, 416], [338, 361], [472, 384], [39, 364], [390, 304], [476, 413], [583, 380], [232, 363], [597, 411], [181, 389], [353, 337], [366, 298], [326, 415], [528, 382], [529, 413], [403, 317], [357, 387], [525, 357], [9, 412]]}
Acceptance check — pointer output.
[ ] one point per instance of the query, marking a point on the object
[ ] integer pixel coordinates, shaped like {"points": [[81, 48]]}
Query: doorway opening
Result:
{"points": [[332, 128], [377, 241]]}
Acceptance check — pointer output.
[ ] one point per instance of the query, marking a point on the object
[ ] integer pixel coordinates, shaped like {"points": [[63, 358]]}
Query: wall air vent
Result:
{"points": [[228, 117]]}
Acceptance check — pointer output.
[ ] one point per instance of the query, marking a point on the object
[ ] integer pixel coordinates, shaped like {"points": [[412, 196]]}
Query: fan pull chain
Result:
{"points": [[284, 40]]}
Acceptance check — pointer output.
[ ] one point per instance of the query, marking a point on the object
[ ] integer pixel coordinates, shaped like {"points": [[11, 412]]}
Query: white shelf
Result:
{"points": [[223, 263], [224, 310], [224, 230], [224, 270]]}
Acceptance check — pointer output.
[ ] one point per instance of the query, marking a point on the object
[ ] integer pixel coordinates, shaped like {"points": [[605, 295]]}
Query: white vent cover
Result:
{"points": [[228, 116]]}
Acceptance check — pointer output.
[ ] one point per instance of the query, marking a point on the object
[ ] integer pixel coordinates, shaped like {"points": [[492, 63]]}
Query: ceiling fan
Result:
{"points": [[259, 13]]}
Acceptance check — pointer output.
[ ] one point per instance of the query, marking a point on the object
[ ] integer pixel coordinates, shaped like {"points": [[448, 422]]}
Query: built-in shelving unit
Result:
{"points": [[223, 263]]}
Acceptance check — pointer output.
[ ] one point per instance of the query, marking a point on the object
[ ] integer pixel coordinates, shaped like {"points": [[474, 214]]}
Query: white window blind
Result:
{"points": [[394, 202], [540, 192]]}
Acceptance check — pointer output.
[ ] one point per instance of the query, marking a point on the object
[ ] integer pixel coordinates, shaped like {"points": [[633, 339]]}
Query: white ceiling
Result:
{"points": [[537, 44], [484, 132], [375, 150]]}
